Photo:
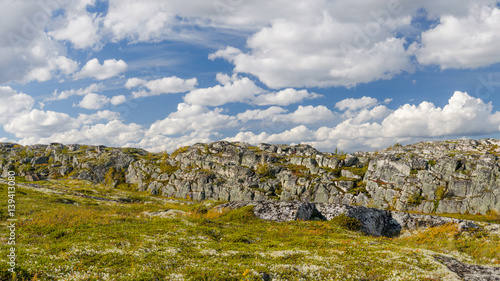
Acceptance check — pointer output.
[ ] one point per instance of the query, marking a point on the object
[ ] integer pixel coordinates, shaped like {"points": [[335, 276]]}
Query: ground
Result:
{"points": [[76, 230]]}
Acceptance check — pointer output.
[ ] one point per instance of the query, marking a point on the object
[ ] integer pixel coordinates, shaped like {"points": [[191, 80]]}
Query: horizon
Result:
{"points": [[159, 75]]}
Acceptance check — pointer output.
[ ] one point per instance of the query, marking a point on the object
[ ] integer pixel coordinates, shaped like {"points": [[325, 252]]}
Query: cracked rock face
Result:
{"points": [[469, 271], [374, 221], [283, 211], [458, 176]]}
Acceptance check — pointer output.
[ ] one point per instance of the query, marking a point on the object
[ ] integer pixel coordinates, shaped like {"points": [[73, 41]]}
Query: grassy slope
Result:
{"points": [[116, 241]]}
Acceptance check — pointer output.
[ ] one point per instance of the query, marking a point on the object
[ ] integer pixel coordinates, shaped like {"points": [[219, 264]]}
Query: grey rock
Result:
{"points": [[283, 211], [374, 222], [469, 271], [40, 160], [467, 226]]}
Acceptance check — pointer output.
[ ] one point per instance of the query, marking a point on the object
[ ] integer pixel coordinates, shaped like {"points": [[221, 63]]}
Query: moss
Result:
{"points": [[114, 177], [263, 170], [358, 171], [441, 192], [334, 171], [169, 169], [179, 150], [298, 170], [415, 199], [348, 223]]}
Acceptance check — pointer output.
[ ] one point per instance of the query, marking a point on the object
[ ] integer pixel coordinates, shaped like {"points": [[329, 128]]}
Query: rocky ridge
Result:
{"points": [[459, 176], [373, 221]]}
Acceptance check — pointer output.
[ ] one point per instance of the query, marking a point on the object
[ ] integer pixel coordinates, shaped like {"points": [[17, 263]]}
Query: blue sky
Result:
{"points": [[334, 74]]}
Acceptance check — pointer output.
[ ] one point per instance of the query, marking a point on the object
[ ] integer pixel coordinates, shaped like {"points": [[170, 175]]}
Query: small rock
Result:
{"points": [[466, 226]]}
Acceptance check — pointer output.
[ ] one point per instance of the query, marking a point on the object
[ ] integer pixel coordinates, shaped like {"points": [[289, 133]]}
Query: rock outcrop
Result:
{"points": [[460, 176], [373, 221]]}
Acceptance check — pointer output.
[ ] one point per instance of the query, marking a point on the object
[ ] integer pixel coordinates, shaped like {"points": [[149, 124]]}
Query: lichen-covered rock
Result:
{"points": [[460, 176], [374, 221]]}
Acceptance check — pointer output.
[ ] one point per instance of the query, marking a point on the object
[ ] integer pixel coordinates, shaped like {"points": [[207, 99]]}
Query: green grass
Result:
{"points": [[95, 240]]}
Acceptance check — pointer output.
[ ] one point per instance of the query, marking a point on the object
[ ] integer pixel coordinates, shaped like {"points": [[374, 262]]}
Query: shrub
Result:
{"points": [[169, 169], [179, 150], [441, 192], [263, 170], [415, 199], [114, 177]]}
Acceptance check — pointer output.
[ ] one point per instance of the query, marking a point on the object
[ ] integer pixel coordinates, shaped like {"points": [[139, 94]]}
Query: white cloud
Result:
{"points": [[60, 64], [114, 133], [462, 115], [190, 118], [377, 113], [355, 104], [295, 135], [74, 92], [311, 115], [284, 97], [241, 90], [13, 103], [139, 21], [259, 114], [109, 68], [166, 85], [379, 127], [93, 101], [134, 82], [81, 29], [40, 123], [276, 119], [107, 115], [320, 53], [160, 143], [117, 100], [96, 101], [466, 41]]}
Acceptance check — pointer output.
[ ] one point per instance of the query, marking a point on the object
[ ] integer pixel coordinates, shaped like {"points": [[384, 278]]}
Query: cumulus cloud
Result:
{"points": [[113, 133], [56, 95], [241, 90], [284, 97], [462, 41], [166, 85], [378, 127], [105, 115], [319, 53], [78, 26], [189, 118], [40, 123], [93, 101], [295, 135], [355, 104], [109, 68], [134, 82], [13, 104], [96, 101], [25, 50], [259, 114], [117, 100]]}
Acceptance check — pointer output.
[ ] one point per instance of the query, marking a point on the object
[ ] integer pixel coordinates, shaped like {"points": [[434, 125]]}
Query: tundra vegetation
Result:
{"points": [[98, 213]]}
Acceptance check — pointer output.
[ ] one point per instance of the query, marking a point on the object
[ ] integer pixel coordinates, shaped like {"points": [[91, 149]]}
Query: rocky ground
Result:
{"points": [[459, 176], [76, 230]]}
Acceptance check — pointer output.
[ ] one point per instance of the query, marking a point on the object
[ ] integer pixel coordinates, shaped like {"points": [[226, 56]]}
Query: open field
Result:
{"points": [[75, 230]]}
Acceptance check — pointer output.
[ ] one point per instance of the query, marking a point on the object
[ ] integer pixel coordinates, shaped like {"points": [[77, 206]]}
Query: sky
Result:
{"points": [[160, 74]]}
